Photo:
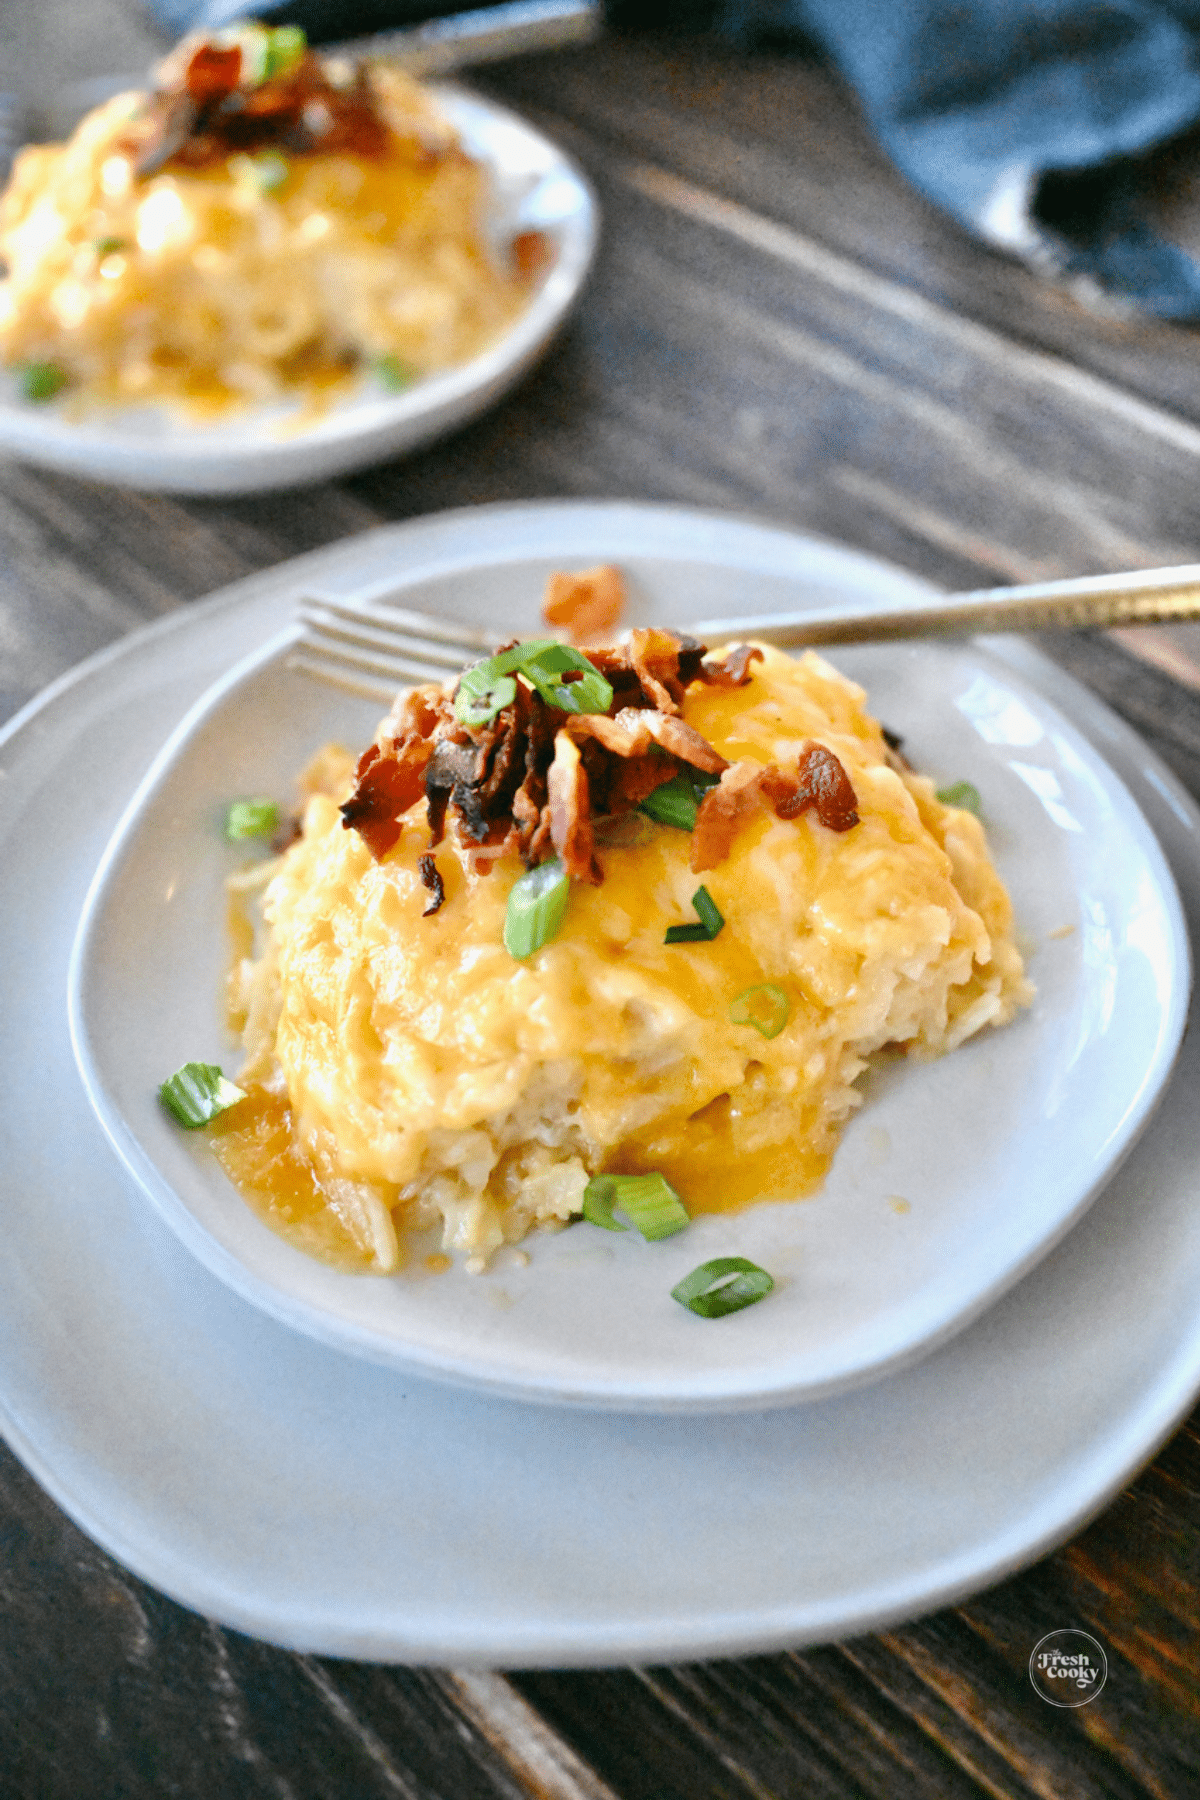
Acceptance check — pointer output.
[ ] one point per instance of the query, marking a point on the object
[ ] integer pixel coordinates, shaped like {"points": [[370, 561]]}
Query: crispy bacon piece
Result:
{"points": [[636, 779], [654, 659], [212, 74], [734, 669], [203, 114], [586, 605], [532, 251], [568, 806], [387, 785], [431, 878], [821, 782], [824, 784], [723, 809], [634, 729]]}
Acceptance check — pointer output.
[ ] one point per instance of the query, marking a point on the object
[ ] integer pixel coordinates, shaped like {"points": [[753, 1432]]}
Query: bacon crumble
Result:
{"points": [[204, 111], [586, 605], [432, 879], [533, 779]]}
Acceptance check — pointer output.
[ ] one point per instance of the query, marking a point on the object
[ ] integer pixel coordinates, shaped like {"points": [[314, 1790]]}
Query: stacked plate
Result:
{"points": [[552, 1463]]}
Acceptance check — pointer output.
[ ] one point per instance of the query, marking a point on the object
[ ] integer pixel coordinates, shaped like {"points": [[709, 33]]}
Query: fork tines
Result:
{"points": [[375, 649]]}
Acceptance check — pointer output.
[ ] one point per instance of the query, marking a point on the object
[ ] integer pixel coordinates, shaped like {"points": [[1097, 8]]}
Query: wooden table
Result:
{"points": [[777, 325]]}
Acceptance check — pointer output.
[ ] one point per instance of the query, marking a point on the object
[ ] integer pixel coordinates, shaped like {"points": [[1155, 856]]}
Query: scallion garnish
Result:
{"points": [[265, 172], [41, 380], [649, 1202], [286, 44], [197, 1093], [765, 1007], [108, 246], [677, 801], [250, 819], [725, 1285], [710, 922], [537, 905], [964, 794], [489, 686], [394, 374]]}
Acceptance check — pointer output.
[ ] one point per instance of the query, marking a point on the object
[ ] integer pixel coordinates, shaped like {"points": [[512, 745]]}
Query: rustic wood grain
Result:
{"points": [[777, 325]]}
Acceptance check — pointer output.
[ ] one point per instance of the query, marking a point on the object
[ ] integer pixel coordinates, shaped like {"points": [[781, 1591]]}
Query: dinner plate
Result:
{"points": [[952, 1180], [535, 186], [327, 1504]]}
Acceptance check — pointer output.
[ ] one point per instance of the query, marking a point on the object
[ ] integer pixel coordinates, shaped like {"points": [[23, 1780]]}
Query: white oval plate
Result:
{"points": [[995, 1150], [535, 186]]}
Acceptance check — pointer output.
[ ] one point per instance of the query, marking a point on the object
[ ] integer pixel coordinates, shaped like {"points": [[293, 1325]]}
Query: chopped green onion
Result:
{"points": [[708, 927], [41, 381], [251, 819], [482, 694], [765, 1007], [252, 40], [537, 905], [489, 686], [265, 172], [649, 1202], [394, 374], [197, 1093], [964, 794], [286, 44], [677, 801], [108, 246], [706, 908], [725, 1285]]}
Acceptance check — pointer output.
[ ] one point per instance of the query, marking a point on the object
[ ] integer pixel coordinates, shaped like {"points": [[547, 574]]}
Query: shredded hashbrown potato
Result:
{"points": [[206, 287]]}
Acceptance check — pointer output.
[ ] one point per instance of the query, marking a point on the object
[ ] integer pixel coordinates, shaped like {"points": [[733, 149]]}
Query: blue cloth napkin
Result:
{"points": [[990, 107]]}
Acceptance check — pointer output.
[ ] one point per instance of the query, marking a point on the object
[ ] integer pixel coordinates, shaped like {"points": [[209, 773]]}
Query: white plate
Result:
{"points": [[535, 186], [322, 1503], [995, 1151]]}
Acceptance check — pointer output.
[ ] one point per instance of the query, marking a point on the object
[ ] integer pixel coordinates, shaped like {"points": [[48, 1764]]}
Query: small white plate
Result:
{"points": [[319, 1502], [954, 1179], [535, 187]]}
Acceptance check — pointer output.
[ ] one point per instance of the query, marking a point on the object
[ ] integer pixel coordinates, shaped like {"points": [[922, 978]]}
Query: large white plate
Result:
{"points": [[535, 186], [992, 1152], [320, 1502]]}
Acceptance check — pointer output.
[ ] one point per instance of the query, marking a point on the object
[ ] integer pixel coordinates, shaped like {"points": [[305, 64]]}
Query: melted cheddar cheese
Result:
{"points": [[432, 1078]]}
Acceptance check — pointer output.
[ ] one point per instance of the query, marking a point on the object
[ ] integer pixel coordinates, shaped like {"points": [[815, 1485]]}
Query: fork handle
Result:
{"points": [[1145, 597]]}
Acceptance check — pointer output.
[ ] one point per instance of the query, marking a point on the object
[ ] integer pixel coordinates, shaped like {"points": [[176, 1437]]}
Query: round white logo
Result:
{"points": [[1068, 1668]]}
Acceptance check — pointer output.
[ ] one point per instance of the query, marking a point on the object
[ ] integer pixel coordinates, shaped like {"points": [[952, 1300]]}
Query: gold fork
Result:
{"points": [[374, 647]]}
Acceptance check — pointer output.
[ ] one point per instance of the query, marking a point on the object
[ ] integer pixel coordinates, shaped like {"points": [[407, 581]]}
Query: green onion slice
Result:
{"points": [[250, 819], [537, 905], [265, 172], [543, 662], [395, 374], [197, 1093], [725, 1285], [649, 1202], [677, 801], [41, 380], [286, 44], [964, 794], [710, 923], [765, 1007], [109, 246]]}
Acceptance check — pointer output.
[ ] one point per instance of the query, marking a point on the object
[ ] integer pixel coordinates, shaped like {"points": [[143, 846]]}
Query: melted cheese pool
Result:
{"points": [[432, 1079]]}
